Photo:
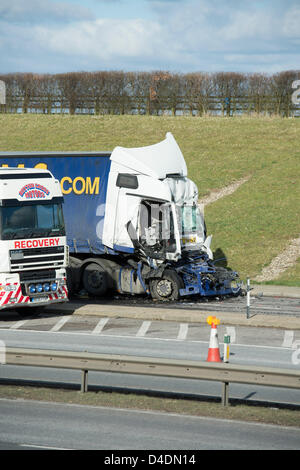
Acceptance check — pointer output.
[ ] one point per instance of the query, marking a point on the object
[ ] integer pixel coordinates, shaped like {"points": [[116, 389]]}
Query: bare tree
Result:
{"points": [[229, 88], [198, 90], [69, 89], [281, 87], [258, 93]]}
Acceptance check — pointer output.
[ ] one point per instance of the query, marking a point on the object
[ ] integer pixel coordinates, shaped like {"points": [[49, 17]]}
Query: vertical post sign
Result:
{"points": [[2, 92]]}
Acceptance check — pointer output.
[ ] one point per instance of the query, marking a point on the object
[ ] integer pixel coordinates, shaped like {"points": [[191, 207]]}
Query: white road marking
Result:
{"points": [[17, 325], [230, 330], [73, 333], [42, 447], [183, 331], [60, 323], [288, 339], [100, 325], [143, 329]]}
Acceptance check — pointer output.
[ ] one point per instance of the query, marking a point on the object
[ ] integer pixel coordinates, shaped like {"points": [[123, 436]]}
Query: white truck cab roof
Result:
{"points": [[156, 160], [28, 184]]}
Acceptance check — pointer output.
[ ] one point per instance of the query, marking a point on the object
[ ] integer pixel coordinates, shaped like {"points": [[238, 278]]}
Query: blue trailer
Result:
{"points": [[133, 223]]}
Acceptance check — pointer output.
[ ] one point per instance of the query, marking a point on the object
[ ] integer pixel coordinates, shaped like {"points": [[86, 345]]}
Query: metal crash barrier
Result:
{"points": [[219, 372]]}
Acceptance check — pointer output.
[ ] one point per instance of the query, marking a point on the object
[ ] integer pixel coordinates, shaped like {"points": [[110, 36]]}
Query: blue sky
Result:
{"points": [[52, 36]]}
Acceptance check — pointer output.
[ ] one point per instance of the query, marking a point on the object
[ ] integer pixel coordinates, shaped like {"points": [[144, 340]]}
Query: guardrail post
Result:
{"points": [[225, 393], [84, 381]]}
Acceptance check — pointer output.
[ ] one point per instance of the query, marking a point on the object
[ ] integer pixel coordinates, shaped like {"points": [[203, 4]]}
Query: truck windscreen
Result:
{"points": [[32, 221], [192, 221]]}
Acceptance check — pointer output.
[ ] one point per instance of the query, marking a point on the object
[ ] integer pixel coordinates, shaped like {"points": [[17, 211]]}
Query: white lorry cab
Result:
{"points": [[133, 223], [33, 249]]}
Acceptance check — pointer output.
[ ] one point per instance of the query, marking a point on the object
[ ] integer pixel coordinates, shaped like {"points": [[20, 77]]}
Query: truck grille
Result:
{"points": [[43, 275], [33, 258]]}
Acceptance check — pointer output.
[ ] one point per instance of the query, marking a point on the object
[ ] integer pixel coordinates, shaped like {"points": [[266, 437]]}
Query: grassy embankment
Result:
{"points": [[252, 225]]}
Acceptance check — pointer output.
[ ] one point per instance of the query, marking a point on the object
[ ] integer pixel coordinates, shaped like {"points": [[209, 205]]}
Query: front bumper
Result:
{"points": [[16, 293], [201, 277]]}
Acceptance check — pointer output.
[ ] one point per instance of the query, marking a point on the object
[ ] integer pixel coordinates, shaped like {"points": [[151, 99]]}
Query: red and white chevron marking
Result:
{"points": [[16, 297], [16, 294]]}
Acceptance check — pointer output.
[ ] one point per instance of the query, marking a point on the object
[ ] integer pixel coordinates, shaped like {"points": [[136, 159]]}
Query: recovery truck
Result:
{"points": [[33, 249], [133, 223]]}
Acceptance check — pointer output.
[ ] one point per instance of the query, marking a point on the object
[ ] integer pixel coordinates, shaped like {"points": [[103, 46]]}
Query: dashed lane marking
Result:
{"points": [[60, 323], [288, 339], [143, 329], [100, 325], [17, 325], [183, 331], [230, 330]]}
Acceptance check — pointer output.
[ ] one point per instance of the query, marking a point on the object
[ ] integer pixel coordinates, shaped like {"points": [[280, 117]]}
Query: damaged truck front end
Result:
{"points": [[156, 217], [201, 276], [195, 279], [178, 259]]}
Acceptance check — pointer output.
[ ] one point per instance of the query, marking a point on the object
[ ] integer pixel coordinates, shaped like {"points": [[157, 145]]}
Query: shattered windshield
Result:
{"points": [[32, 221], [192, 221]]}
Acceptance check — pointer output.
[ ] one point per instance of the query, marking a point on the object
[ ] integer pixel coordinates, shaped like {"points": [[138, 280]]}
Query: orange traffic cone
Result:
{"points": [[213, 350]]}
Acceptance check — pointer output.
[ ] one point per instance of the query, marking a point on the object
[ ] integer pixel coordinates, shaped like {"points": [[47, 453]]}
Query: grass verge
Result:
{"points": [[252, 225], [258, 414]]}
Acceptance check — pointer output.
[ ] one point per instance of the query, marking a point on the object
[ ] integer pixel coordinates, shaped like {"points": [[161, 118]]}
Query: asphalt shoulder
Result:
{"points": [[276, 291]]}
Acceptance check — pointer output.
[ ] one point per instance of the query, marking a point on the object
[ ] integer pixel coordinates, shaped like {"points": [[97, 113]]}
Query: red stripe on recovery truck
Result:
{"points": [[8, 297], [18, 292]]}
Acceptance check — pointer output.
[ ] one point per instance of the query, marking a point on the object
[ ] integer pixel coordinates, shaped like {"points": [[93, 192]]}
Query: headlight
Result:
{"points": [[46, 287], [53, 286]]}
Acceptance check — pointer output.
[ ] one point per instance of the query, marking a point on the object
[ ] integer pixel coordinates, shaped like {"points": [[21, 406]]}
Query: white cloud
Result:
{"points": [[102, 39], [291, 23], [33, 11], [184, 35]]}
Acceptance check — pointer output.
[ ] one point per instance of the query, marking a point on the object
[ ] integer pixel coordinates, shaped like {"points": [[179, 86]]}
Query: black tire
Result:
{"points": [[94, 279], [73, 275], [167, 287]]}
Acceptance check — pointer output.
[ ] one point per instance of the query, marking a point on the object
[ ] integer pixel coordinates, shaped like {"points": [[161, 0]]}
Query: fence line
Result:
{"points": [[86, 104]]}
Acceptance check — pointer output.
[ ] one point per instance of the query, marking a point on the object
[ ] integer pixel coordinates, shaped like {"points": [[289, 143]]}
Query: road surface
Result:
{"points": [[37, 425]]}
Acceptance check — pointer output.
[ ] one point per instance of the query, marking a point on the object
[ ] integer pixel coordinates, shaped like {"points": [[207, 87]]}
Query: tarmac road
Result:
{"points": [[37, 425], [120, 328], [251, 346]]}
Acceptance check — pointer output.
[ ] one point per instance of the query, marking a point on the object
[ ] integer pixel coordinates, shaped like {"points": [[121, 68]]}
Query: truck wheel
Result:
{"points": [[73, 275], [167, 287], [94, 279]]}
